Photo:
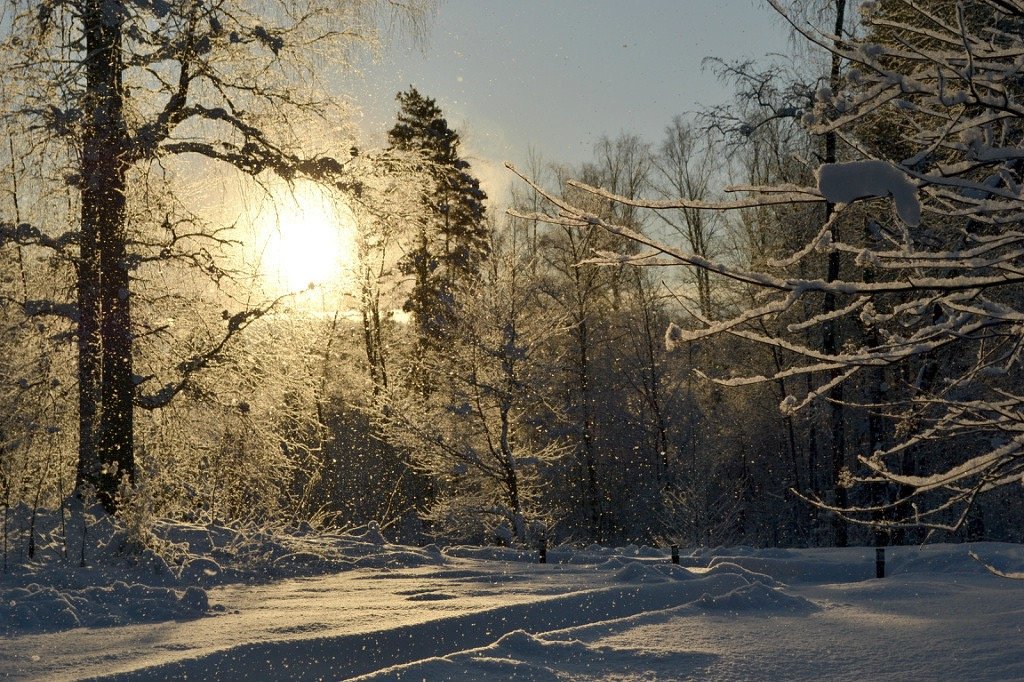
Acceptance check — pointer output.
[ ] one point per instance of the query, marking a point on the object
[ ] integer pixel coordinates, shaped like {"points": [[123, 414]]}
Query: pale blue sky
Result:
{"points": [[558, 74]]}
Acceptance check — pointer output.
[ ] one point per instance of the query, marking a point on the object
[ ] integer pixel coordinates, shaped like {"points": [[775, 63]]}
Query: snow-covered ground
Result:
{"points": [[345, 607]]}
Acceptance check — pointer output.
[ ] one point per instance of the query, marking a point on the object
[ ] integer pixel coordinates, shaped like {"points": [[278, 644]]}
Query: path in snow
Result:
{"points": [[311, 628], [807, 614]]}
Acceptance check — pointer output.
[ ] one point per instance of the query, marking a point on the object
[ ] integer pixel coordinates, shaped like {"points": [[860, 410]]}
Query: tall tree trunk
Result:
{"points": [[106, 390], [594, 505], [372, 341], [830, 341], [653, 379], [511, 472]]}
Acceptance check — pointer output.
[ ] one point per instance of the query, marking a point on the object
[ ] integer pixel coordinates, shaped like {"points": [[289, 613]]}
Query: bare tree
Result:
{"points": [[686, 166]]}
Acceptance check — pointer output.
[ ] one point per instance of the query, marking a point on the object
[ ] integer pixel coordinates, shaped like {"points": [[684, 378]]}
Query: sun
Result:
{"points": [[307, 240]]}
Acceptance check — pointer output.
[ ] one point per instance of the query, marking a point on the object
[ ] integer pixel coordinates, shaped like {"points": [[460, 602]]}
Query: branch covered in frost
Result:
{"points": [[235, 324]]}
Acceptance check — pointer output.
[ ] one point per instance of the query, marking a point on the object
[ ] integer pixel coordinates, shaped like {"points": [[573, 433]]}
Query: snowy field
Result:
{"points": [[344, 607]]}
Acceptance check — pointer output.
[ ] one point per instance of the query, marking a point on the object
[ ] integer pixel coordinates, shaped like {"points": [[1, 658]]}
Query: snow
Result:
{"points": [[312, 607], [842, 183]]}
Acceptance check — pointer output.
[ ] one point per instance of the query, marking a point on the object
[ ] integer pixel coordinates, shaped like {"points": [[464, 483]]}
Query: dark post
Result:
{"points": [[543, 551], [675, 554], [879, 562]]}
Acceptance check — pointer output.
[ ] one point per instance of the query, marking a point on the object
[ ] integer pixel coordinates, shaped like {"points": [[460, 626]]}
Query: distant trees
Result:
{"points": [[847, 343], [686, 165]]}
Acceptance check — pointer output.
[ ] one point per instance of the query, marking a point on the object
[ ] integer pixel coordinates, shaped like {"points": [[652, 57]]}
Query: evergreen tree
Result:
{"points": [[451, 237]]}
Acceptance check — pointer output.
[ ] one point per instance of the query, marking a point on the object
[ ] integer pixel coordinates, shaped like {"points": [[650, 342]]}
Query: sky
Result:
{"points": [[556, 75]]}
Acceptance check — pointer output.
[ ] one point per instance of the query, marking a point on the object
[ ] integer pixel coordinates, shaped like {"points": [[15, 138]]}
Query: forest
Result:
{"points": [[793, 321]]}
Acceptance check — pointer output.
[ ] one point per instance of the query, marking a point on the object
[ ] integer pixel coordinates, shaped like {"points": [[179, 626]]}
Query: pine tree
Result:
{"points": [[450, 241]]}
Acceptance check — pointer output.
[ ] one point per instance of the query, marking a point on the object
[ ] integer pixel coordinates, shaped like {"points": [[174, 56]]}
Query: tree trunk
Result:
{"points": [[830, 342], [589, 456], [508, 462], [653, 380], [106, 388]]}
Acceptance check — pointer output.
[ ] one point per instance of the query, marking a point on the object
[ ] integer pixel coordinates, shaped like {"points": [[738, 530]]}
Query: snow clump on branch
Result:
{"points": [[673, 336], [843, 183]]}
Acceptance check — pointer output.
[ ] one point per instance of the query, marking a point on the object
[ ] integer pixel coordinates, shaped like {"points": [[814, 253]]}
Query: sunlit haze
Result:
{"points": [[305, 240]]}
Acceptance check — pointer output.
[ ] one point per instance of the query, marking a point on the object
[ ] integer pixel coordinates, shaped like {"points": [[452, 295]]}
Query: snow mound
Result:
{"points": [[522, 646], [640, 572], [898, 563], [405, 557], [756, 597], [40, 608], [491, 553], [522, 656], [735, 566], [972, 559], [837, 567], [642, 551], [635, 572]]}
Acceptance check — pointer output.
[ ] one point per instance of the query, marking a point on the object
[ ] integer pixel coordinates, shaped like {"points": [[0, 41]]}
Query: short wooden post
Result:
{"points": [[879, 562], [543, 551], [675, 554]]}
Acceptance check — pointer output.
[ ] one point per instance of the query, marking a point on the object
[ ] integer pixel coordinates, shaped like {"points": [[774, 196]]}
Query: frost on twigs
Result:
{"points": [[843, 183]]}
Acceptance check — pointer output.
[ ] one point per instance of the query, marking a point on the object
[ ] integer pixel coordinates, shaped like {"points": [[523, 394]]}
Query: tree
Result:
{"points": [[113, 94], [686, 168], [450, 233], [477, 435], [943, 263]]}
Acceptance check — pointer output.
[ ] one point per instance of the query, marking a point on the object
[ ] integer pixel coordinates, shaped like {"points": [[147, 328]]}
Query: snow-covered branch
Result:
{"points": [[921, 233]]}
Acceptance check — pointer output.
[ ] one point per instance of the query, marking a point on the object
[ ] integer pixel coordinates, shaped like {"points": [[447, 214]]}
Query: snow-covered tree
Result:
{"points": [[450, 234], [116, 98], [938, 273], [477, 434]]}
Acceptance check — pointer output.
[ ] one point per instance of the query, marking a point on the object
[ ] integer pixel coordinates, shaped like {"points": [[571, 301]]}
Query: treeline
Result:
{"points": [[838, 351], [811, 364]]}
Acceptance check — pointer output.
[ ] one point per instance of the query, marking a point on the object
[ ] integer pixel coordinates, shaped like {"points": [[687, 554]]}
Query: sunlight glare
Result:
{"points": [[307, 239]]}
